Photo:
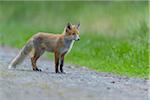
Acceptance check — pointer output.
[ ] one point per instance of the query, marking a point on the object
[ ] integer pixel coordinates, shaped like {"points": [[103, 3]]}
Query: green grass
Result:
{"points": [[116, 55], [114, 35]]}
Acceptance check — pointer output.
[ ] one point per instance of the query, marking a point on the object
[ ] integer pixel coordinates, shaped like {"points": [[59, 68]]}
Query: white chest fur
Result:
{"points": [[71, 45], [68, 46]]}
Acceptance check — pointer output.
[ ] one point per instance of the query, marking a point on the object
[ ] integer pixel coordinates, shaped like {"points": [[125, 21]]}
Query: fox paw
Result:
{"points": [[57, 72], [37, 69]]}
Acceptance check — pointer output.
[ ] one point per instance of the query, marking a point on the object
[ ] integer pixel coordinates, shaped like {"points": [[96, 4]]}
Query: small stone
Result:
{"points": [[108, 88], [71, 67], [113, 82], [145, 89]]}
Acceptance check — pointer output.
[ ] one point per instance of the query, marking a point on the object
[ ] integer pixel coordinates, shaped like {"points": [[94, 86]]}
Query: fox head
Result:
{"points": [[72, 32]]}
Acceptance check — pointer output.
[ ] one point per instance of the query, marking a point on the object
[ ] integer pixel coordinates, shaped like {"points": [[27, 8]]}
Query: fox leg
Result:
{"points": [[34, 60], [56, 62], [62, 63]]}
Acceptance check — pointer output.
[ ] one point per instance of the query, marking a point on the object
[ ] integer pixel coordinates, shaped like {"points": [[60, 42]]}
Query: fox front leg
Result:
{"points": [[62, 63], [56, 62]]}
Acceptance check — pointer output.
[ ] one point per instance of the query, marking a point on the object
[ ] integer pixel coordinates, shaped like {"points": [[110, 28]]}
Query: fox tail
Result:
{"points": [[21, 56]]}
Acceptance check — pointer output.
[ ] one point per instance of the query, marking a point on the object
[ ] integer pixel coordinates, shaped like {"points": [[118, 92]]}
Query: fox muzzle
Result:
{"points": [[77, 38]]}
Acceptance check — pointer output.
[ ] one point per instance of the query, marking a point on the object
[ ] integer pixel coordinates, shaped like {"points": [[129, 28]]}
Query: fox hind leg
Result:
{"points": [[35, 58], [33, 61]]}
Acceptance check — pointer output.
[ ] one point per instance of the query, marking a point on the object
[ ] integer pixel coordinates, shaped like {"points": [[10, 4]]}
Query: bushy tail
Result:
{"points": [[21, 56]]}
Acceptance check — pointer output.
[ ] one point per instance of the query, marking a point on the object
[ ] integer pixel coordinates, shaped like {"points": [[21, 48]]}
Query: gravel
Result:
{"points": [[79, 83]]}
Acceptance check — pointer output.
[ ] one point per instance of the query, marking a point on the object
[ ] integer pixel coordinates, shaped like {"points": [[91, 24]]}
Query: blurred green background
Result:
{"points": [[114, 35]]}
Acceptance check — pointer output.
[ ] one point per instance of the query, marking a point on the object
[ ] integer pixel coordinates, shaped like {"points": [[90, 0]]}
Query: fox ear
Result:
{"points": [[78, 26], [69, 26]]}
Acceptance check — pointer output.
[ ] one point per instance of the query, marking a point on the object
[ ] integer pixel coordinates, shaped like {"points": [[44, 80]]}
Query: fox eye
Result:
{"points": [[74, 33]]}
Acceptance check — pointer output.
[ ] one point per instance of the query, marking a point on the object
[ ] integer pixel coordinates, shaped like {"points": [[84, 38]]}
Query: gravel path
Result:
{"points": [[77, 84]]}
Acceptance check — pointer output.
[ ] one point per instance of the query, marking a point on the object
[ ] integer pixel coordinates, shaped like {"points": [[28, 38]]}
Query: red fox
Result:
{"points": [[59, 44]]}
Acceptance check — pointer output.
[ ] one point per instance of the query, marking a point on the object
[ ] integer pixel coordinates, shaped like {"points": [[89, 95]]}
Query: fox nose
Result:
{"points": [[77, 38]]}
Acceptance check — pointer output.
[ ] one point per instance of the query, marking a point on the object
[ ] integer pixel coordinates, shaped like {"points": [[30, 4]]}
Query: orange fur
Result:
{"points": [[59, 44]]}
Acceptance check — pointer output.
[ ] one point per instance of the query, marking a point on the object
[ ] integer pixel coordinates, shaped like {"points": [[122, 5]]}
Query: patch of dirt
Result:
{"points": [[77, 84]]}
